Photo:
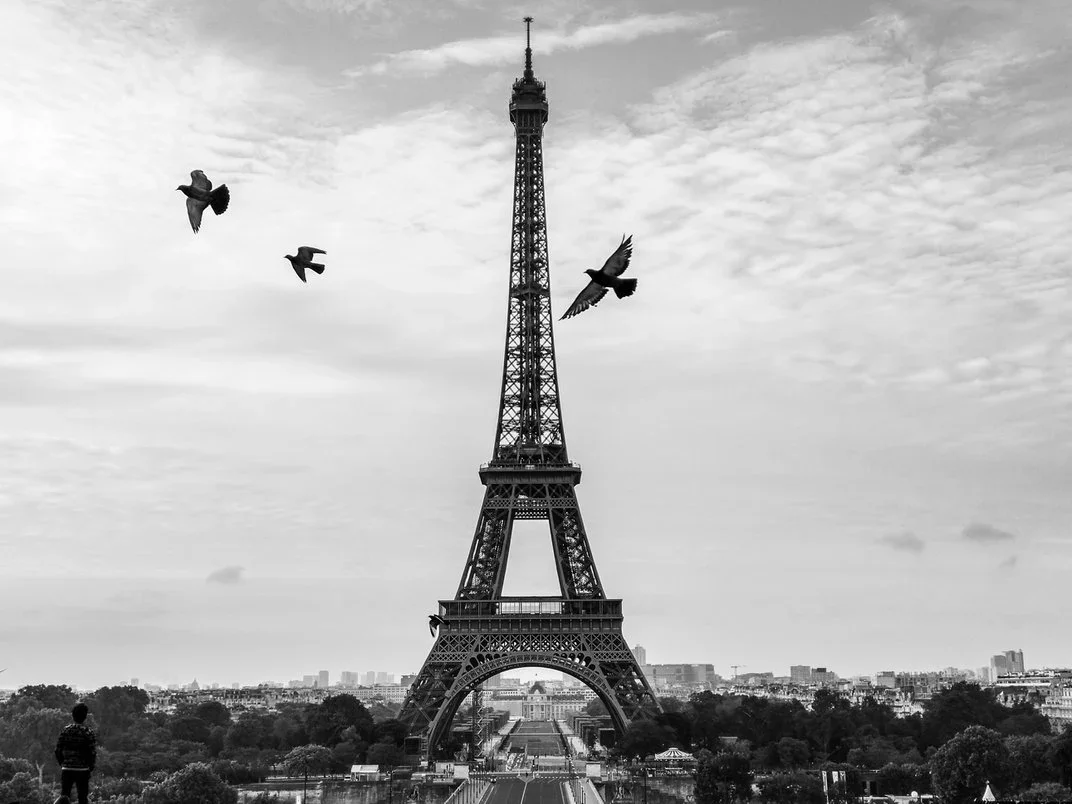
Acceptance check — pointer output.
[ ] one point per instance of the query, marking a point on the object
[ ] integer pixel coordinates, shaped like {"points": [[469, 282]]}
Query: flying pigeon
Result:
{"points": [[434, 621], [606, 277], [200, 194], [303, 261]]}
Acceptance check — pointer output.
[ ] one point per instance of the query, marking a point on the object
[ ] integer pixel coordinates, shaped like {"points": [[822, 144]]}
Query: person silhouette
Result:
{"points": [[76, 751]]}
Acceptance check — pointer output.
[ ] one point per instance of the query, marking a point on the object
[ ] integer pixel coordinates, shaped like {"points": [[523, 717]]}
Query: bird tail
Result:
{"points": [[219, 199], [316, 266], [625, 288]]}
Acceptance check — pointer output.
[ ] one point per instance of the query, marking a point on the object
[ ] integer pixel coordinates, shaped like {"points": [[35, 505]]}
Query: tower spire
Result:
{"points": [[528, 49]]}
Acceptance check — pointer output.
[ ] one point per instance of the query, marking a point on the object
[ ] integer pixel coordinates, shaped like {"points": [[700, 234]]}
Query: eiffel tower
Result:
{"points": [[480, 632]]}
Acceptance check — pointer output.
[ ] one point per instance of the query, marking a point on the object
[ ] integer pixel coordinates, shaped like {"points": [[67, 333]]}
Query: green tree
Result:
{"points": [[22, 788], [1061, 755], [44, 696], [194, 784], [306, 759], [596, 708], [32, 735], [188, 727], [680, 725], [391, 730], [1046, 791], [9, 766], [213, 713], [385, 754], [792, 753], [1030, 761], [326, 722], [671, 705], [289, 729], [952, 710], [251, 730], [645, 737], [116, 708], [961, 768], [903, 779], [791, 788], [723, 777]]}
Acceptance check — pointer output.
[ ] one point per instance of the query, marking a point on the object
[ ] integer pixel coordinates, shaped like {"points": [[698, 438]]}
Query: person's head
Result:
{"points": [[79, 712]]}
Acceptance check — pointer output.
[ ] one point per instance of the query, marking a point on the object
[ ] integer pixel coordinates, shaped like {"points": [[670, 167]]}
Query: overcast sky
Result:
{"points": [[832, 427]]}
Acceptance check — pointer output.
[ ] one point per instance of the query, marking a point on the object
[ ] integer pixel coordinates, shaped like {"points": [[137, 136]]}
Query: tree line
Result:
{"points": [[963, 738], [963, 735], [137, 748]]}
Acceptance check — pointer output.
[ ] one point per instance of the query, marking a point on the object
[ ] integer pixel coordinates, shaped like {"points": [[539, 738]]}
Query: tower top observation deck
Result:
{"points": [[529, 93]]}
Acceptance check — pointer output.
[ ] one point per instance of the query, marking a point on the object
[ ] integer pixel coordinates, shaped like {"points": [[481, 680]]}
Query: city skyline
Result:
{"points": [[832, 424], [524, 675]]}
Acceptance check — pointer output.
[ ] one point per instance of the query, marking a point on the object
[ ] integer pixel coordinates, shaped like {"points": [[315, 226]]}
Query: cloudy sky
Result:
{"points": [[832, 427]]}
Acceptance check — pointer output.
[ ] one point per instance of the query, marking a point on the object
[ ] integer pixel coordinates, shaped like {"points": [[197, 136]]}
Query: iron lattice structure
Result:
{"points": [[481, 633]]}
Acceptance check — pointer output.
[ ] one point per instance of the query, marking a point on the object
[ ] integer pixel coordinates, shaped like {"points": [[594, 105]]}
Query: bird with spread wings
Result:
{"points": [[199, 195], [606, 278], [305, 260]]}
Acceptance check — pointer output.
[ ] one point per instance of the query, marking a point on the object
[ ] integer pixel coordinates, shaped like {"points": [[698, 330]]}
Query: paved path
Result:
{"points": [[528, 791], [541, 737]]}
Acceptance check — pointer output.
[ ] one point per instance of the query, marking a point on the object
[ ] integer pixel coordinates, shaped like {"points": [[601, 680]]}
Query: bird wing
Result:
{"points": [[194, 208], [618, 261], [589, 297], [305, 253], [199, 181]]}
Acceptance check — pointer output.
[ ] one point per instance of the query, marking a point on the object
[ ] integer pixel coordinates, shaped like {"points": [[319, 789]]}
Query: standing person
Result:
{"points": [[76, 751]]}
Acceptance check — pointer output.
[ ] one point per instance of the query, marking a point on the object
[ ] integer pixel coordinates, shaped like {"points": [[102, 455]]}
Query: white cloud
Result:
{"points": [[505, 48]]}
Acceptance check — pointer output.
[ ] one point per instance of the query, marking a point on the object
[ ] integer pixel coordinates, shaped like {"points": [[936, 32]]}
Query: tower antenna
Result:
{"points": [[528, 48]]}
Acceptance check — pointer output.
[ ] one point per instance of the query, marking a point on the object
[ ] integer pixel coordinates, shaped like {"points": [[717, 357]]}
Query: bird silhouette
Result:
{"points": [[606, 278], [434, 621], [199, 194], [304, 260]]}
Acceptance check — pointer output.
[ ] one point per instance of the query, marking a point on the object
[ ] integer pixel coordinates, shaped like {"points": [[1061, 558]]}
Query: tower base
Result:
{"points": [[481, 638]]}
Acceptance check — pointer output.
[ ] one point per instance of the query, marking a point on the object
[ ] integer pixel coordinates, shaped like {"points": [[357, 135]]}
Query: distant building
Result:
{"points": [[369, 678], [381, 677], [133, 682], [999, 666], [1014, 661], [348, 678], [823, 677], [681, 675], [800, 674], [308, 681], [323, 679], [886, 679], [539, 704], [1057, 707], [755, 679], [640, 654]]}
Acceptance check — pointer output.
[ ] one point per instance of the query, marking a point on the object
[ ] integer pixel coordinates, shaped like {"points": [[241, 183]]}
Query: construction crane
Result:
{"points": [[734, 668]]}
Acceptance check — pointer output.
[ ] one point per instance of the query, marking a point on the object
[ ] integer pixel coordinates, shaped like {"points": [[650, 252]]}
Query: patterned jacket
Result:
{"points": [[76, 748]]}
